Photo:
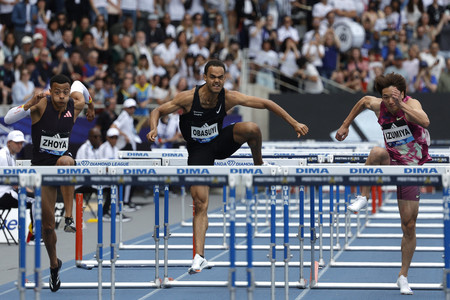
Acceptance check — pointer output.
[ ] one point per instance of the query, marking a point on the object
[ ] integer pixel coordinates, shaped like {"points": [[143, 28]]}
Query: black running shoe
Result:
{"points": [[70, 225], [54, 281]]}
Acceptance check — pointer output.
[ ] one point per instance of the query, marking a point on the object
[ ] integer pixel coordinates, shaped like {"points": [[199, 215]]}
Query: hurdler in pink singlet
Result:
{"points": [[407, 143]]}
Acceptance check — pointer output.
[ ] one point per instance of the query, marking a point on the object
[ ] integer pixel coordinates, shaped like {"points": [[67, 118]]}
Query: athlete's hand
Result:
{"points": [[37, 96], [301, 129], [151, 136], [342, 133], [396, 96]]}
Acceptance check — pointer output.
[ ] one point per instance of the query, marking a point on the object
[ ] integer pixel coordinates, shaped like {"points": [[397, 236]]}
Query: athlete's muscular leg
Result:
{"points": [[249, 132], [68, 190], [200, 195], [408, 215], [377, 156], [48, 223]]}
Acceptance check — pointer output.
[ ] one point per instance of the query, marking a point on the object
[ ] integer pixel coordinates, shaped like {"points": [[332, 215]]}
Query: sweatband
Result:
{"points": [[77, 86], [15, 114]]}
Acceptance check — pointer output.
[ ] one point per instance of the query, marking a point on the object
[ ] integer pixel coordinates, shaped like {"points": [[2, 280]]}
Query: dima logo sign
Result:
{"points": [[172, 155], [139, 172], [312, 171], [366, 171], [137, 154], [421, 171], [73, 171], [18, 171], [246, 171], [193, 171]]}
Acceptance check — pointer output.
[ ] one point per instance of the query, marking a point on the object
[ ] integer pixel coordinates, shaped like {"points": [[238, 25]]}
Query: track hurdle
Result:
{"points": [[318, 156], [85, 176], [104, 162], [29, 180], [293, 177], [232, 270], [347, 227], [57, 176], [446, 194], [391, 175], [230, 162], [133, 176]]}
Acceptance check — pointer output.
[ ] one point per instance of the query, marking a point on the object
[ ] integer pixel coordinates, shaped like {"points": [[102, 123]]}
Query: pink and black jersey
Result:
{"points": [[406, 142]]}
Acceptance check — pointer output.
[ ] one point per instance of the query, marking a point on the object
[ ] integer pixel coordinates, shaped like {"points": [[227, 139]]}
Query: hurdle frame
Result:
{"points": [[291, 176]]}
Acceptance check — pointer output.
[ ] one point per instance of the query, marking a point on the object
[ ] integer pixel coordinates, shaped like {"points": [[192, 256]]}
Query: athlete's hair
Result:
{"points": [[214, 63], [60, 79], [391, 79]]}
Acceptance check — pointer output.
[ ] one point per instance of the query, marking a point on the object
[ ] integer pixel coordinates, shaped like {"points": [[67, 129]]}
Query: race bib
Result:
{"points": [[57, 144], [204, 134], [398, 135]]}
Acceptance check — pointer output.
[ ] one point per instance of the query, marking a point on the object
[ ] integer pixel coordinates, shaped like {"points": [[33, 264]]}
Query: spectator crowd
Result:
{"points": [[140, 54], [149, 50]]}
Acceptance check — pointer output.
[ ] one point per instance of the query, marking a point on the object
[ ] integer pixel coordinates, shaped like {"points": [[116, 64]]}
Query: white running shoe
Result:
{"points": [[359, 204], [198, 264], [402, 283]]}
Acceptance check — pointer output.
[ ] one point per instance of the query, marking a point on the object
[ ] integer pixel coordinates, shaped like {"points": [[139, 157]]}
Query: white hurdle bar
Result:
{"points": [[95, 176], [320, 156], [104, 162]]}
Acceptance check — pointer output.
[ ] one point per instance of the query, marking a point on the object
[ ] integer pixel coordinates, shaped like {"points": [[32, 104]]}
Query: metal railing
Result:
{"points": [[330, 86]]}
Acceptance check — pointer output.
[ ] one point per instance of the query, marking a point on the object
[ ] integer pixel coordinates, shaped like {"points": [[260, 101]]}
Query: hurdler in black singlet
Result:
{"points": [[202, 125], [203, 132], [50, 135]]}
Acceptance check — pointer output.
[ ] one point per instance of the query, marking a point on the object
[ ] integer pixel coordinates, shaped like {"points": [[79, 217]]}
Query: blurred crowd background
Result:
{"points": [[150, 50]]}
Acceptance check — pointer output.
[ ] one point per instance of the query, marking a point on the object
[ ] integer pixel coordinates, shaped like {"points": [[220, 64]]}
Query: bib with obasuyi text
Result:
{"points": [[204, 134]]}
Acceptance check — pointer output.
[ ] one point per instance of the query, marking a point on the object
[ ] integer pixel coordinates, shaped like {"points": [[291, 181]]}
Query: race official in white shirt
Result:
{"points": [[8, 194]]}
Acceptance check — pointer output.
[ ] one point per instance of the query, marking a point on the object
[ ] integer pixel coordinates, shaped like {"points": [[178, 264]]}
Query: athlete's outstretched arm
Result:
{"points": [[31, 108], [234, 98], [366, 102]]}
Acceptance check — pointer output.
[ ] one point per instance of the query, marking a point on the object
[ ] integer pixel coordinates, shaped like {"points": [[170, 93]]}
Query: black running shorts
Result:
{"points": [[221, 147]]}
